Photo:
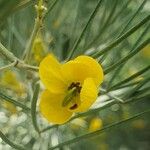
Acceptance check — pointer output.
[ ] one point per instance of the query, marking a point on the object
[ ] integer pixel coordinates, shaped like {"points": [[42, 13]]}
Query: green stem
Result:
{"points": [[84, 29], [38, 23], [33, 108], [16, 103], [141, 37], [13, 145], [130, 78], [146, 89], [50, 8], [118, 70], [126, 85], [18, 36], [8, 66], [111, 22], [131, 92], [29, 67], [133, 16], [8, 54], [136, 98], [125, 59], [31, 40], [105, 25], [98, 132], [121, 10], [120, 39], [48, 128], [12, 58], [23, 4]]}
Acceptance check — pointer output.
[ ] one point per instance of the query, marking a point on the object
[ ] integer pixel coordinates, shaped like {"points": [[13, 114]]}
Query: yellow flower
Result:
{"points": [[70, 87], [95, 124], [38, 49], [10, 80]]}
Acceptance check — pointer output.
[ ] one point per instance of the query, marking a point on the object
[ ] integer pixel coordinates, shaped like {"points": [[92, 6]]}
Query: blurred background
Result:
{"points": [[62, 26]]}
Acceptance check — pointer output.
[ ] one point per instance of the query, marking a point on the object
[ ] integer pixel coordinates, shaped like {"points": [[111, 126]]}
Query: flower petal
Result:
{"points": [[94, 66], [74, 71], [49, 71], [51, 108], [88, 95]]}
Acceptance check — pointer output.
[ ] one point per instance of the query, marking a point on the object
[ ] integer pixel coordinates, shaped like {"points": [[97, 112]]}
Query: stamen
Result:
{"points": [[75, 84], [71, 93], [73, 90], [73, 107]]}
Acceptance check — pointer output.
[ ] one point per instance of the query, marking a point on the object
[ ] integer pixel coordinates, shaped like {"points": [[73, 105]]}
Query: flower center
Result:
{"points": [[75, 85], [73, 90]]}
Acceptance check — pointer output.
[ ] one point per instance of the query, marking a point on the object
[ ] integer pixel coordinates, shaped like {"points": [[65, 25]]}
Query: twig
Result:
{"points": [[12, 58], [37, 25], [8, 66]]}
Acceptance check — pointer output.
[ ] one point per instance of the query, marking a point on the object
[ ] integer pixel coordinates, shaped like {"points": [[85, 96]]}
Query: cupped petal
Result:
{"points": [[51, 108], [88, 95], [74, 71], [94, 66], [50, 74]]}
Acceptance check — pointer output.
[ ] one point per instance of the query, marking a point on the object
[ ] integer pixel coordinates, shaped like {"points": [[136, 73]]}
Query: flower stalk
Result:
{"points": [[40, 9], [16, 62]]}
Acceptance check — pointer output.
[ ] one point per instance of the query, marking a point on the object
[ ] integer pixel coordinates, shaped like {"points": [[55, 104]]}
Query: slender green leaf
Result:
{"points": [[126, 58], [130, 78], [120, 39], [15, 102], [135, 89], [127, 85], [22, 4], [118, 70], [121, 10], [33, 107], [106, 24], [50, 8], [13, 145], [7, 53], [8, 66], [98, 132], [133, 16], [84, 29]]}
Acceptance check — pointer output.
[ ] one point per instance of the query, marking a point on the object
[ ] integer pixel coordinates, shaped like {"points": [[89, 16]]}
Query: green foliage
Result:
{"points": [[114, 32]]}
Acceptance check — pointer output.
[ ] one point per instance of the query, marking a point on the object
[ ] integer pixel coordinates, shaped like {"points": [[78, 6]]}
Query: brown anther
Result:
{"points": [[77, 85], [73, 107]]}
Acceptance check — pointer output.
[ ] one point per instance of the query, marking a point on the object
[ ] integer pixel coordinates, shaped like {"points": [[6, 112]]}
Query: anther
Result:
{"points": [[73, 107]]}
